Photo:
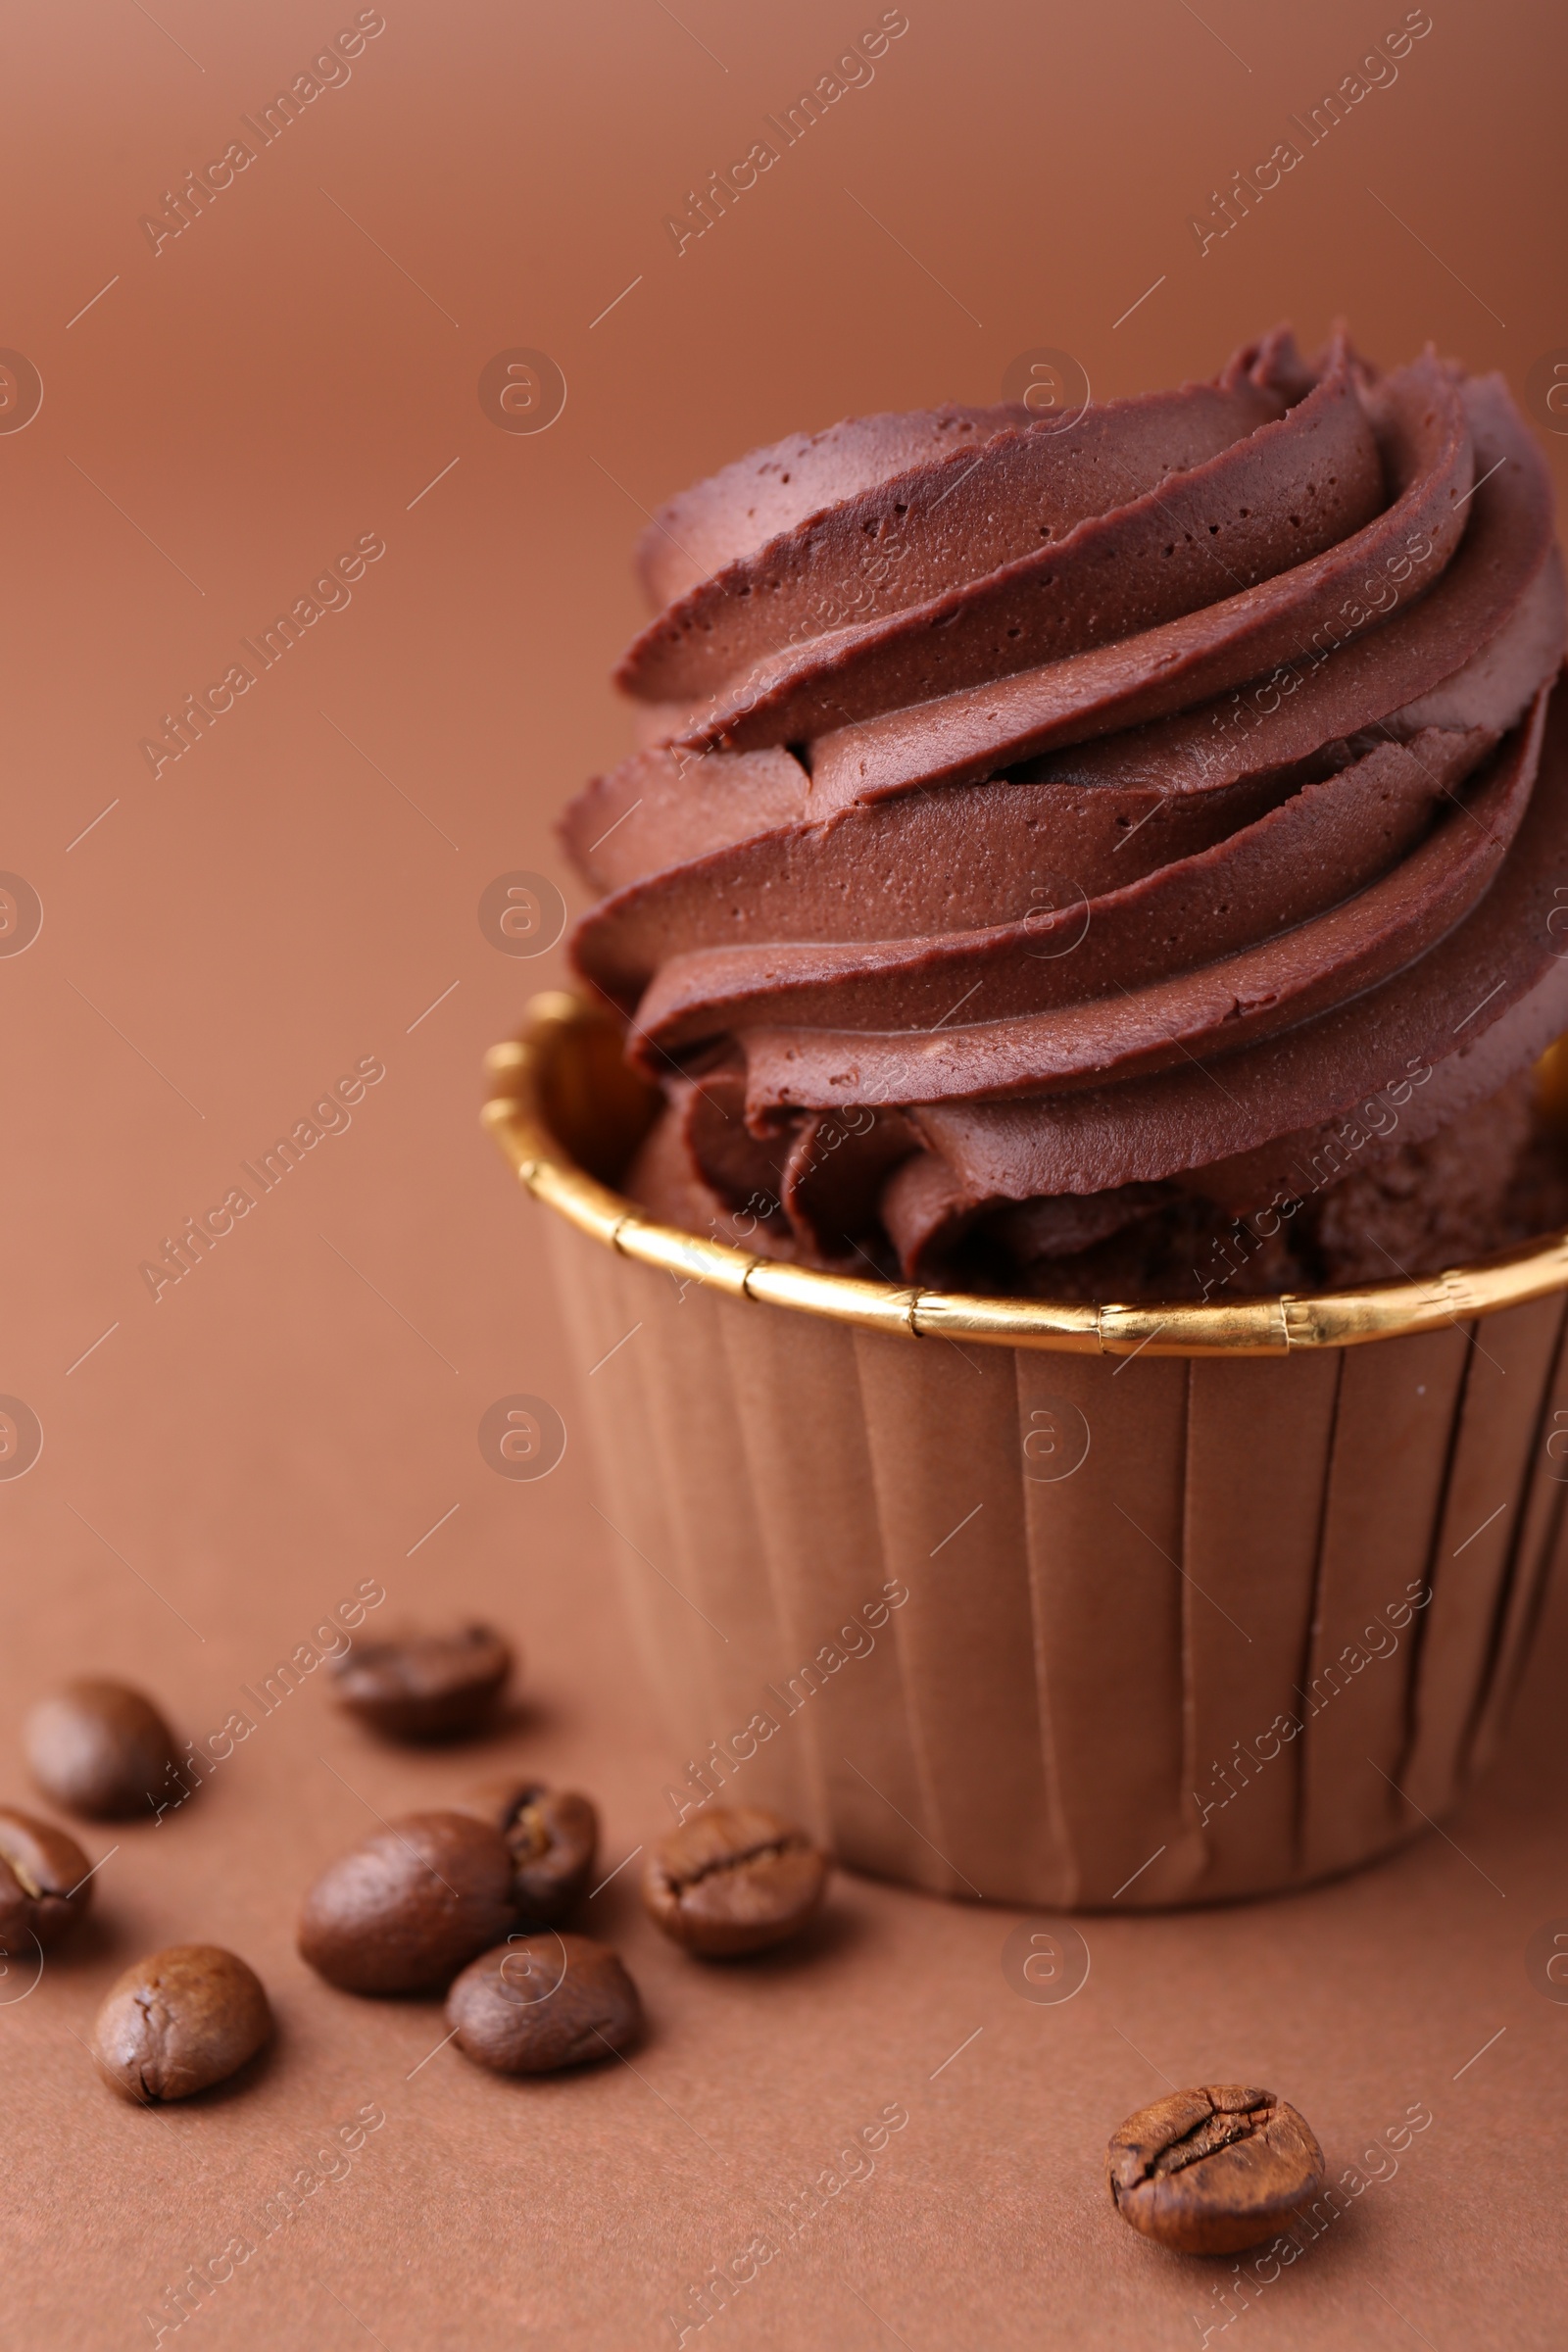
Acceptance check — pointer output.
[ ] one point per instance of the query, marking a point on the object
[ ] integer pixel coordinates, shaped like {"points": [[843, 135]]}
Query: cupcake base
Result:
{"points": [[1060, 1605], [1063, 1630]]}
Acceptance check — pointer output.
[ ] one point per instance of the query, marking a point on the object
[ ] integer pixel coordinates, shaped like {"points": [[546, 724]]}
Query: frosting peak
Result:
{"points": [[1078, 817]]}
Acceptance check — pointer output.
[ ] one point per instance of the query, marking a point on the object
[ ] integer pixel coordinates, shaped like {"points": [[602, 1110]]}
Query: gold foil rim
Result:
{"points": [[560, 1026]]}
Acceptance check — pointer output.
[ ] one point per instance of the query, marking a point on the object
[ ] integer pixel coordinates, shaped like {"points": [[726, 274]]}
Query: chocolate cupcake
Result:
{"points": [[1092, 864]]}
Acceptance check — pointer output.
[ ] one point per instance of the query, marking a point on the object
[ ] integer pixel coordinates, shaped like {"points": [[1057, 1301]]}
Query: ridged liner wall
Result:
{"points": [[1052, 1716]]}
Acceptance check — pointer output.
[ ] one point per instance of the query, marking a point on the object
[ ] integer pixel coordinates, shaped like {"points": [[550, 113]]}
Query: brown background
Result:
{"points": [[295, 1415]]}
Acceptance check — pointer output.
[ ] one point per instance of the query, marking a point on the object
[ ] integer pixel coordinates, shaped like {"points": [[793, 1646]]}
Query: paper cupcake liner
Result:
{"points": [[1073, 1629]]}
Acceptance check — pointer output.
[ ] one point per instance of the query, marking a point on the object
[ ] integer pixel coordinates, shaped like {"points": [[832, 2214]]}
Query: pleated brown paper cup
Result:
{"points": [[1063, 1605]]}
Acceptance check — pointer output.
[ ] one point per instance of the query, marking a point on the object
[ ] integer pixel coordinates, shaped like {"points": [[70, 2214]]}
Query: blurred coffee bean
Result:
{"points": [[44, 1882], [417, 1686], [180, 2021], [554, 1838], [1214, 2169], [405, 1910], [733, 1879], [101, 1748], [544, 2001]]}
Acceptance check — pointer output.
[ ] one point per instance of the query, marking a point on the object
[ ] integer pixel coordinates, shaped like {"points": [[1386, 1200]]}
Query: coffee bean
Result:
{"points": [[554, 1838], [733, 1879], [180, 2021], [424, 1686], [405, 1910], [1214, 2169], [101, 1748], [543, 2001], [44, 1882]]}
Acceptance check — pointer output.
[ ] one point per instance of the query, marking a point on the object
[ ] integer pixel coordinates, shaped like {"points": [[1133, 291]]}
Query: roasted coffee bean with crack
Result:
{"points": [[735, 1878], [180, 2021], [422, 1685], [45, 1882], [101, 1748], [405, 1910], [1214, 2169], [554, 1838], [544, 2001]]}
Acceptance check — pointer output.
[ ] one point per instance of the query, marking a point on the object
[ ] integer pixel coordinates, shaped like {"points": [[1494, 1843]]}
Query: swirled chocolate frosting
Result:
{"points": [[1055, 829]]}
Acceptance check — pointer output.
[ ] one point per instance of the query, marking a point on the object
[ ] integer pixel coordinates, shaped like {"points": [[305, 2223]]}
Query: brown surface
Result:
{"points": [[269, 910]]}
